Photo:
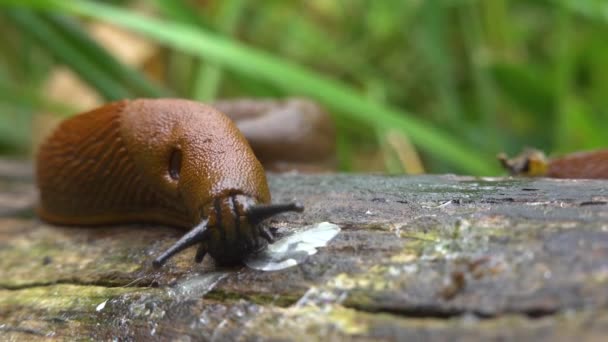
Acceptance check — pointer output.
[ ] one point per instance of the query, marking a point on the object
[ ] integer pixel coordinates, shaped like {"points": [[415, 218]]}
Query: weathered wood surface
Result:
{"points": [[418, 258]]}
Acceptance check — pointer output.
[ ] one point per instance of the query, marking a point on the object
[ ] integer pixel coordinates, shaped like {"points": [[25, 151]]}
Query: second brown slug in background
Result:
{"points": [[291, 134], [581, 165]]}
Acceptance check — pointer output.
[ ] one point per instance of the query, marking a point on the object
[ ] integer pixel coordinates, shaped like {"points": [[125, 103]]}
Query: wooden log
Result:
{"points": [[426, 257]]}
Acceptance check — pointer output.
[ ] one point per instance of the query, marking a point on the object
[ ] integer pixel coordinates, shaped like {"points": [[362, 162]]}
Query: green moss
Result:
{"points": [[59, 298], [282, 300], [24, 263]]}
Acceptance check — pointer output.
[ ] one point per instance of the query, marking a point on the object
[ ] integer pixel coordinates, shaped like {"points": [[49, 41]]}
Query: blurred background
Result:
{"points": [[448, 82]]}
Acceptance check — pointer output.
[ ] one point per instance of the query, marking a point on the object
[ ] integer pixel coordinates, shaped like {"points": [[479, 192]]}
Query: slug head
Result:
{"points": [[204, 175], [190, 154], [231, 230]]}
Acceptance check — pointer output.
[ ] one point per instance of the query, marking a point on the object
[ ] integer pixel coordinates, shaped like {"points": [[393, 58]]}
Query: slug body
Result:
{"points": [[579, 165], [165, 161], [285, 135], [589, 165]]}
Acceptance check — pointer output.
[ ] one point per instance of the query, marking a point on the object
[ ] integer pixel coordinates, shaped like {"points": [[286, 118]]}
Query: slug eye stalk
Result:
{"points": [[199, 234], [196, 235]]}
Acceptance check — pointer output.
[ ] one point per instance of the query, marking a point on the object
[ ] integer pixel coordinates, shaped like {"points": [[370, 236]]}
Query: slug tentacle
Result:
{"points": [[191, 238], [232, 229]]}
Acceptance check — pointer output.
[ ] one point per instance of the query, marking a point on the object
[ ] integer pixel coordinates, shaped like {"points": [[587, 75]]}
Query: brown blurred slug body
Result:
{"points": [[579, 165], [591, 165], [166, 161]]}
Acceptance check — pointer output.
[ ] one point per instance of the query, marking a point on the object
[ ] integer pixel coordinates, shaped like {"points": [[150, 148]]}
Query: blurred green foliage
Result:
{"points": [[463, 79]]}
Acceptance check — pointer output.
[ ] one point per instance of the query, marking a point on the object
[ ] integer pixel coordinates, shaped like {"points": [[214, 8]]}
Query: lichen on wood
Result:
{"points": [[425, 257]]}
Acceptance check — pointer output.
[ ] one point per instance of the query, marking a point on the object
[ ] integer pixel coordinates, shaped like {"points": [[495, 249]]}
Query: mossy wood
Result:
{"points": [[427, 257]]}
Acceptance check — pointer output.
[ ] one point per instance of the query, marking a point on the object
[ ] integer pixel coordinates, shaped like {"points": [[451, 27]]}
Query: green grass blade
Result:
{"points": [[485, 91], [291, 77], [178, 10], [436, 51], [209, 75], [104, 61], [593, 9], [563, 68], [45, 34]]}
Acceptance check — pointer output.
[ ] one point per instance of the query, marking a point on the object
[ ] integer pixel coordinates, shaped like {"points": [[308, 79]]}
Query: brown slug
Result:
{"points": [[164, 161], [580, 165], [287, 134]]}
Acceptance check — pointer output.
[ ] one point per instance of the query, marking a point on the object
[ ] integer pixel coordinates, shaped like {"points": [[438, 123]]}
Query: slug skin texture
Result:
{"points": [[592, 164], [112, 164]]}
